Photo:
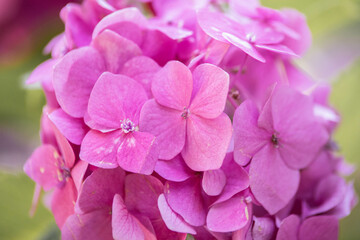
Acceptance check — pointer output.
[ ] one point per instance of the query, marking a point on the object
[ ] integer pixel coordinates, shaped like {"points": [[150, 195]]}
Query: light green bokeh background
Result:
{"points": [[336, 29]]}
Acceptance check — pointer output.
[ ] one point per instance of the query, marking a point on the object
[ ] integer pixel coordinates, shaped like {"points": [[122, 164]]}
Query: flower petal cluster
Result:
{"points": [[173, 118]]}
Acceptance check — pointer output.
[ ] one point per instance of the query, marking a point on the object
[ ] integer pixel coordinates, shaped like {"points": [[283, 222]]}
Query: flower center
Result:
{"points": [[185, 114], [275, 140], [127, 126], [251, 37]]}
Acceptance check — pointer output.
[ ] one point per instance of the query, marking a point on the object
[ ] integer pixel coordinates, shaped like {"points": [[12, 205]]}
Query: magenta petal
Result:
{"points": [[172, 220], [142, 69], [319, 228], [143, 187], [42, 166], [115, 49], [78, 173], [174, 170], [329, 193], [138, 153], [228, 216], [300, 135], [90, 226], [124, 225], [213, 182], [185, 199], [271, 181], [248, 137], [100, 149], [166, 125], [211, 86], [289, 228], [237, 179], [74, 78], [263, 228], [172, 86], [115, 98], [99, 189], [277, 48], [63, 202], [74, 129], [207, 141]]}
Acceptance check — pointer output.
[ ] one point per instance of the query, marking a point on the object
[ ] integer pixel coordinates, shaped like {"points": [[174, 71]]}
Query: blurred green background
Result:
{"points": [[333, 57]]}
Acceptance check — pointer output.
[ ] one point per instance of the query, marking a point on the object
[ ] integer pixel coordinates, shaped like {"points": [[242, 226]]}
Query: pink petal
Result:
{"points": [[78, 173], [248, 137], [138, 153], [124, 225], [213, 182], [115, 49], [74, 129], [172, 220], [166, 125], [319, 228], [63, 202], [91, 226], [174, 170], [142, 69], [185, 199], [143, 187], [228, 216], [271, 181], [99, 189], [74, 78], [289, 228], [207, 141], [115, 98], [211, 86], [100, 149], [43, 74], [42, 166], [172, 86]]}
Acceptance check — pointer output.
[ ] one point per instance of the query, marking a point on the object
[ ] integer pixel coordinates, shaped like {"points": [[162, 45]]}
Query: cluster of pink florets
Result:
{"points": [[167, 118]]}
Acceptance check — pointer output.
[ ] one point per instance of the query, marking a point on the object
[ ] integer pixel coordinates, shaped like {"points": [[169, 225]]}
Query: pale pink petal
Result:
{"points": [[271, 181], [207, 141], [277, 48], [185, 199], [114, 99], [211, 86], [74, 129], [94, 225], [166, 125], [213, 182], [100, 149], [115, 49], [63, 202], [42, 166], [124, 225], [74, 78], [172, 86], [248, 137], [172, 220], [139, 187], [78, 173], [319, 228], [289, 228], [174, 170], [99, 189], [111, 21], [228, 216], [142, 69]]}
